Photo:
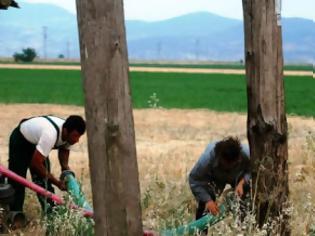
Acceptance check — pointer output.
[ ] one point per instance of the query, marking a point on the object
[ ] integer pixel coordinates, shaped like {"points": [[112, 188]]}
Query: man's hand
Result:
{"points": [[212, 207], [239, 190], [61, 185]]}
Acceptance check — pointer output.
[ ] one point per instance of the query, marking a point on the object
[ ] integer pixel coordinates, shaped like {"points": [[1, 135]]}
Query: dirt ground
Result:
{"points": [[170, 141], [155, 69]]}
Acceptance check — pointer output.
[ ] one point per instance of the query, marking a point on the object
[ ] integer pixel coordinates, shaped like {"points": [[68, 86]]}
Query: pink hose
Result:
{"points": [[39, 189], [46, 193]]}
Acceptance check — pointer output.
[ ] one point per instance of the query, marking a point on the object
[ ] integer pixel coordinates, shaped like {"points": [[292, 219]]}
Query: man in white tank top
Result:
{"points": [[30, 144]]}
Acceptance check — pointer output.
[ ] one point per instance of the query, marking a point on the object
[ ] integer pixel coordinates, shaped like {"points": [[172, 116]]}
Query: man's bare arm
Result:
{"points": [[37, 165]]}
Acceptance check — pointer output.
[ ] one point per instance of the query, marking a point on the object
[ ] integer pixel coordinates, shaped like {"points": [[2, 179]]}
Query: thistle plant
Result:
{"points": [[154, 101]]}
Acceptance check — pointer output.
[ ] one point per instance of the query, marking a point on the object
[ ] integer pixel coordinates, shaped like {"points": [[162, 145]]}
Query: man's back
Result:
{"points": [[42, 132], [207, 170]]}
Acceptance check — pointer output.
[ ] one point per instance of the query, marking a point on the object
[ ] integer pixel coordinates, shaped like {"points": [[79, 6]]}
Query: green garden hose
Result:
{"points": [[197, 225], [74, 190], [191, 228], [204, 222]]}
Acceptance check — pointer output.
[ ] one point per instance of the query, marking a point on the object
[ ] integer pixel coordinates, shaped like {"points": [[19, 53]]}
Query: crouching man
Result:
{"points": [[223, 162], [30, 144]]}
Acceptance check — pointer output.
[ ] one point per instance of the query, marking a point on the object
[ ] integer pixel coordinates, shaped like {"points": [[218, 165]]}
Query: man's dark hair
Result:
{"points": [[229, 149], [74, 122]]}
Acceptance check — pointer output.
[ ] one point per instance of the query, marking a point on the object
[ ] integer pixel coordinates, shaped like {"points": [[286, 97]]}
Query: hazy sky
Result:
{"points": [[151, 10]]}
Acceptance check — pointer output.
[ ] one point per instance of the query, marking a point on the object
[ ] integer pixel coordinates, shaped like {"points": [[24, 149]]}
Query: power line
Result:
{"points": [[45, 42], [68, 49]]}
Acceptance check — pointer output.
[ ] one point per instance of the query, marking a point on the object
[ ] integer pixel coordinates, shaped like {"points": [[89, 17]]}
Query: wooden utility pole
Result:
{"points": [[266, 124], [110, 126]]}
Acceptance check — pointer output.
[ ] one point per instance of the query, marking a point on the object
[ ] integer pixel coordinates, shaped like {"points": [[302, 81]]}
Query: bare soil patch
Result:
{"points": [[154, 69]]}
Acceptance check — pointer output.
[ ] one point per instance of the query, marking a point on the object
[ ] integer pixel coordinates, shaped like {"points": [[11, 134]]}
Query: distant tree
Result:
{"points": [[61, 56], [27, 55]]}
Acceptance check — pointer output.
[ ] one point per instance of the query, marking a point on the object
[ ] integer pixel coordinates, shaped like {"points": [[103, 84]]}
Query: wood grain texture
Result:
{"points": [[267, 123], [110, 125]]}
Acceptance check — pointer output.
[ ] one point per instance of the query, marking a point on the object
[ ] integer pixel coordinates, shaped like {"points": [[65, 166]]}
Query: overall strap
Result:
{"points": [[26, 119], [56, 127]]}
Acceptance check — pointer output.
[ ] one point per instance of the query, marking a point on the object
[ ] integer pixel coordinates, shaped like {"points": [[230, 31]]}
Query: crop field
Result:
{"points": [[175, 116], [217, 92]]}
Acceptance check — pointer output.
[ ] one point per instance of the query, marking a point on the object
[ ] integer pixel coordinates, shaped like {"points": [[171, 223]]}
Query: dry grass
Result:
{"points": [[168, 144]]}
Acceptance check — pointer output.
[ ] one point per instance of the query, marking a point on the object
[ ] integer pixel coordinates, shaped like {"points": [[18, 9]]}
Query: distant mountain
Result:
{"points": [[23, 27], [186, 26], [197, 36], [299, 39]]}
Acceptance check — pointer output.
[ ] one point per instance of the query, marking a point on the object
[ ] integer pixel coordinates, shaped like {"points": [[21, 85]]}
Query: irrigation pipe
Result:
{"points": [[74, 189], [197, 225], [204, 222], [81, 203], [190, 229], [38, 189]]}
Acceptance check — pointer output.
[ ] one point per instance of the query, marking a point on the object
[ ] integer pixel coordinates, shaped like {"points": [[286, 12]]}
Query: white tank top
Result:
{"points": [[41, 132]]}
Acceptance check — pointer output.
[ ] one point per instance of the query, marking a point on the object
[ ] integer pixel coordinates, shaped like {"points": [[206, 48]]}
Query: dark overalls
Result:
{"points": [[20, 155]]}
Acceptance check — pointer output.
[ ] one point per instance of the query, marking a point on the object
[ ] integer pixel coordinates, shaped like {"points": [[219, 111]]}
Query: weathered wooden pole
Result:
{"points": [[266, 124], [110, 126]]}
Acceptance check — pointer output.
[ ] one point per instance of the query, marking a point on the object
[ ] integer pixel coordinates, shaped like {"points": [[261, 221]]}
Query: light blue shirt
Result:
{"points": [[207, 176]]}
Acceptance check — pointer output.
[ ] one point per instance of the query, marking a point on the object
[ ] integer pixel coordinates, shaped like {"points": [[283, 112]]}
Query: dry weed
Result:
{"points": [[168, 144]]}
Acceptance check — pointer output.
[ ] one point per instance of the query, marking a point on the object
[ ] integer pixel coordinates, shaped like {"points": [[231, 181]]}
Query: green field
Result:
{"points": [[174, 90]]}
